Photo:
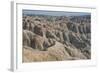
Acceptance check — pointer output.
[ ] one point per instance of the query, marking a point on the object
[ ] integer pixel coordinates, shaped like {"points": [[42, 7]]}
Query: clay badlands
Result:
{"points": [[56, 38]]}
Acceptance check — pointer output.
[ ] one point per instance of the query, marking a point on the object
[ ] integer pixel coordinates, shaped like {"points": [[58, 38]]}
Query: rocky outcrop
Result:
{"points": [[56, 38], [39, 42], [76, 40], [27, 37]]}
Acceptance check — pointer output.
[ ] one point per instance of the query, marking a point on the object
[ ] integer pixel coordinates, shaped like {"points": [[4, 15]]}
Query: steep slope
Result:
{"points": [[56, 38]]}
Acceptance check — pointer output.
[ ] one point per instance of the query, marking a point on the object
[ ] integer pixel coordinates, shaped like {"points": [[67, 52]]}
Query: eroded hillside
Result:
{"points": [[56, 38]]}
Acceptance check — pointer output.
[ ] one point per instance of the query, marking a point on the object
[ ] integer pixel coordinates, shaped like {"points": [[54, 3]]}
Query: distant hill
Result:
{"points": [[53, 13]]}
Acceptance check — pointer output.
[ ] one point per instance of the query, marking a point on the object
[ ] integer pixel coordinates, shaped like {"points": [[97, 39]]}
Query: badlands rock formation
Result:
{"points": [[56, 38]]}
